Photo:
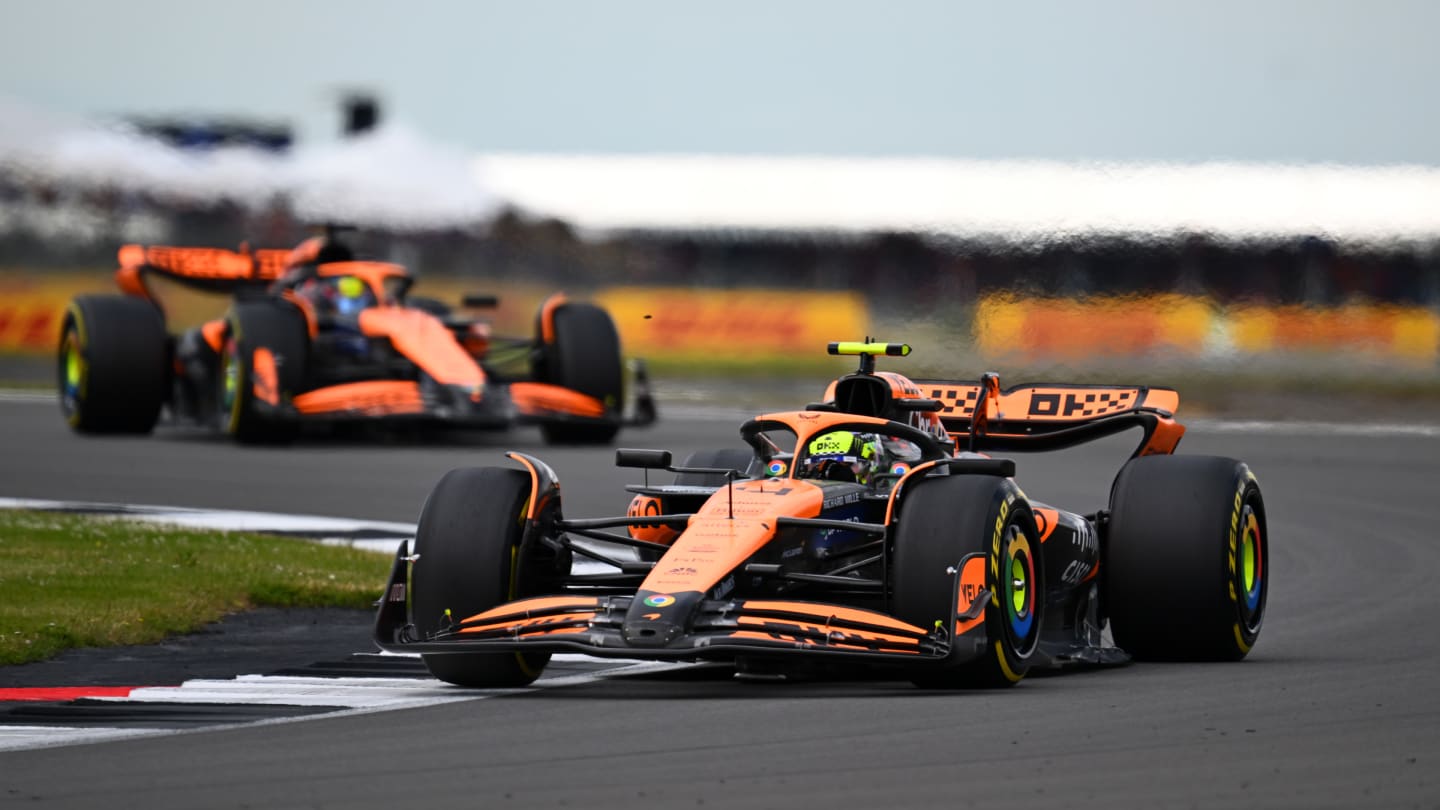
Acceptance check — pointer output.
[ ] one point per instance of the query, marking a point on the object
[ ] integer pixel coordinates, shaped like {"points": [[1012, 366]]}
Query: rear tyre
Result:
{"points": [[727, 459], [252, 330], [470, 560], [942, 520], [112, 365], [1187, 559], [584, 357]]}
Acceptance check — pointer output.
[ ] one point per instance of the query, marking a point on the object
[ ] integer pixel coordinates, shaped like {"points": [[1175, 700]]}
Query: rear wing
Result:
{"points": [[1046, 416], [215, 269]]}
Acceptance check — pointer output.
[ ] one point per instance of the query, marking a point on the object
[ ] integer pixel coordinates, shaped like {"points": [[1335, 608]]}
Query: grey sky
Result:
{"points": [[1350, 82]]}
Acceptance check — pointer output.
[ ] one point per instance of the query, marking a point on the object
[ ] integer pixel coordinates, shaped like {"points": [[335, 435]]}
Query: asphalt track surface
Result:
{"points": [[1338, 706]]}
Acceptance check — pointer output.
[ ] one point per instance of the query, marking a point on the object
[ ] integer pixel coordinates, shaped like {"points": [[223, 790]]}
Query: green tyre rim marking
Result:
{"points": [[230, 393], [1018, 587], [1018, 594], [1251, 569], [72, 391]]}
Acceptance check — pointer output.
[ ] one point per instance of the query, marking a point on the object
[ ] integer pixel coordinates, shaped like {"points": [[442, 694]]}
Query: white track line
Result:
{"points": [[355, 695], [25, 397]]}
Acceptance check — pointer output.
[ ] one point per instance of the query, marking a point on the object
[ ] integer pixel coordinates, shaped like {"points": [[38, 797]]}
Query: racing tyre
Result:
{"points": [[262, 366], [942, 521], [1187, 559], [470, 560], [584, 357], [112, 364], [727, 459]]}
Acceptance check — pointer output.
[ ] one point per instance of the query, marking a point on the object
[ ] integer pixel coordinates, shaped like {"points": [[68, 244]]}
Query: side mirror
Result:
{"points": [[644, 459], [480, 301]]}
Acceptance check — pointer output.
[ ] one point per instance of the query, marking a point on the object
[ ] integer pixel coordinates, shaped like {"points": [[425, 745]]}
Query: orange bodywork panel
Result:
{"points": [[525, 608], [1167, 435], [532, 507], [824, 612], [836, 637], [543, 625], [972, 583], [376, 398], [714, 543], [129, 281], [535, 399], [214, 333], [781, 631], [266, 384], [546, 615], [304, 253], [547, 316], [421, 337], [1046, 520]]}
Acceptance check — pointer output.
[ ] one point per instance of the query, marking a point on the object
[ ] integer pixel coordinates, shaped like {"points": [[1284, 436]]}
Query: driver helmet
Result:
{"points": [[843, 455], [351, 295], [343, 295]]}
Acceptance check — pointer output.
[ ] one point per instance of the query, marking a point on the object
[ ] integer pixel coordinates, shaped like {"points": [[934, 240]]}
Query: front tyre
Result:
{"points": [[470, 560], [942, 521], [262, 365], [112, 365], [1187, 559]]}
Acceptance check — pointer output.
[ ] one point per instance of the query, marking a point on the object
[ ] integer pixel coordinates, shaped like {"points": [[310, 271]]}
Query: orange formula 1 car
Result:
{"points": [[315, 336], [870, 527]]}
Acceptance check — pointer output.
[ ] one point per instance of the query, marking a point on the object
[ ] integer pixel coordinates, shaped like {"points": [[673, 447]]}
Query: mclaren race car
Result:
{"points": [[314, 335], [875, 526]]}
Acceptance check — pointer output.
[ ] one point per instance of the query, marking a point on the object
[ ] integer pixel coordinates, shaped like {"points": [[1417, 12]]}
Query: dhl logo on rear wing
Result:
{"points": [[1047, 415], [1048, 401], [208, 268]]}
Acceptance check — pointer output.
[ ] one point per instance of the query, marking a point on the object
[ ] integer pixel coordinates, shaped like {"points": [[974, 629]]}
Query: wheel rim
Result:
{"points": [[229, 379], [1018, 591], [1250, 569], [72, 373]]}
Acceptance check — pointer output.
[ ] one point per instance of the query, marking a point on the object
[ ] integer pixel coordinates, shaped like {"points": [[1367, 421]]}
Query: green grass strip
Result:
{"points": [[84, 581]]}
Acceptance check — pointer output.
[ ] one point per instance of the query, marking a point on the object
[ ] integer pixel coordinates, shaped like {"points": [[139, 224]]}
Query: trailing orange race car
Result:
{"points": [[871, 527], [314, 335]]}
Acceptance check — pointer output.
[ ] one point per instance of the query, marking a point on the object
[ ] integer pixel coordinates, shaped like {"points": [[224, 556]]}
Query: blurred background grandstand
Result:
{"points": [[1243, 250]]}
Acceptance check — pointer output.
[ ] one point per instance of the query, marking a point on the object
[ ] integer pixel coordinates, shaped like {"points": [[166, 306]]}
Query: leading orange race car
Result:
{"points": [[314, 335], [870, 527]]}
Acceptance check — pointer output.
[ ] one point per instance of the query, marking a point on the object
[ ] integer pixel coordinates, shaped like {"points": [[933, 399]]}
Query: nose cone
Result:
{"points": [[657, 619]]}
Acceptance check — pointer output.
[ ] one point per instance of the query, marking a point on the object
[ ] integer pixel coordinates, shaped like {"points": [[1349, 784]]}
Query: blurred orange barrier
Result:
{"points": [[1027, 329], [1412, 333], [33, 306], [676, 321], [1066, 329]]}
